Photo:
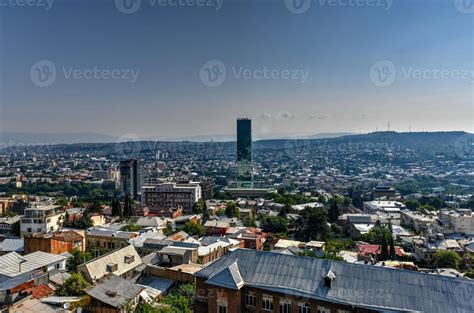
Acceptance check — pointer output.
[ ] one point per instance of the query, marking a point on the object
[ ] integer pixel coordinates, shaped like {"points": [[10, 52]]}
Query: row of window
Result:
{"points": [[285, 305]]}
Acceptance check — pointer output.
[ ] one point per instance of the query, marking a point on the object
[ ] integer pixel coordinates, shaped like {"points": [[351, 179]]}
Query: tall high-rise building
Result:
{"points": [[131, 177], [244, 153]]}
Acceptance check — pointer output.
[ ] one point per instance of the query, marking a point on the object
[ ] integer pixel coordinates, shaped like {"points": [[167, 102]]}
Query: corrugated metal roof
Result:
{"points": [[360, 285], [114, 290], [12, 244], [97, 268], [10, 263]]}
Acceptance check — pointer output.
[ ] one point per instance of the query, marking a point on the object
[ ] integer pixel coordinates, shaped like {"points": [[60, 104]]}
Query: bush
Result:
{"points": [[73, 286]]}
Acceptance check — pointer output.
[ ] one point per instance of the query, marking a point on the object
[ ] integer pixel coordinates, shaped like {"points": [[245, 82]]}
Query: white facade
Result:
{"points": [[41, 219], [458, 221], [390, 210]]}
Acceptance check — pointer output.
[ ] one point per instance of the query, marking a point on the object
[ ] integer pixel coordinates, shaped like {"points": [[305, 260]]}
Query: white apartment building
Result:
{"points": [[417, 220], [458, 221], [389, 210], [171, 195], [41, 219]]}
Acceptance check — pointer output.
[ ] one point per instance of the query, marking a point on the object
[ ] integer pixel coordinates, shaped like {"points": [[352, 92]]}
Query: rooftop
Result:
{"points": [[364, 286], [114, 291]]}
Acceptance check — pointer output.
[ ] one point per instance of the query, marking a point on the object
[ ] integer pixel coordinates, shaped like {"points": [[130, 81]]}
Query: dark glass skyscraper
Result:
{"points": [[131, 177], [244, 152]]}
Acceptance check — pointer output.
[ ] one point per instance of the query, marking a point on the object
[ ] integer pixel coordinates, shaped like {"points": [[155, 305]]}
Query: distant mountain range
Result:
{"points": [[454, 142], [15, 138]]}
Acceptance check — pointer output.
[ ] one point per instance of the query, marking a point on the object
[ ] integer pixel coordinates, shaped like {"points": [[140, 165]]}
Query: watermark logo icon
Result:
{"points": [[295, 148], [465, 6], [128, 6], [127, 145], [464, 146], [298, 6], [382, 73], [213, 73], [43, 73]]}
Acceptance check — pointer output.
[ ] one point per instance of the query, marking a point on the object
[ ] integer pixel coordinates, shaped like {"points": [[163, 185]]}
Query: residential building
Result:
{"points": [[257, 281], [384, 191], [131, 177], [18, 273], [114, 294], [172, 195], [416, 220], [207, 189], [41, 219], [426, 247], [389, 210], [7, 222], [56, 243], [216, 228], [458, 221], [173, 212], [124, 262], [107, 239]]}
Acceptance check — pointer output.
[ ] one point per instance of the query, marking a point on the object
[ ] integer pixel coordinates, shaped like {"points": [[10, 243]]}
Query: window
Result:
{"points": [[304, 308], [221, 306], [285, 306], [58, 266], [250, 299], [267, 303], [112, 267], [129, 259], [322, 309]]}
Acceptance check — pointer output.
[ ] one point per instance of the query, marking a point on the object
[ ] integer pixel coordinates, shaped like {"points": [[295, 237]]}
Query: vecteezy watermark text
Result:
{"points": [[213, 73], [132, 6], [301, 6], [384, 73], [44, 73], [46, 4]]}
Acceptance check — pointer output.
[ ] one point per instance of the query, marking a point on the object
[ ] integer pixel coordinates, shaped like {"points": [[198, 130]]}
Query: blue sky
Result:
{"points": [[330, 51]]}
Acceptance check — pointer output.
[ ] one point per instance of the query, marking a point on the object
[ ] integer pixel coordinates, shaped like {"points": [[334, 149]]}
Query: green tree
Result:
{"points": [[73, 286], [194, 229], [249, 222], [232, 210], [131, 227], [377, 234], [78, 258], [117, 208], [16, 229], [384, 249], [128, 206], [333, 212], [178, 302], [285, 211], [145, 307], [392, 249], [168, 230], [274, 224], [313, 225], [412, 205], [447, 259], [200, 206]]}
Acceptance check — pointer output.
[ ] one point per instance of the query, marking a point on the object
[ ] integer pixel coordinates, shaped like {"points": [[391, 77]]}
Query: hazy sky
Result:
{"points": [[292, 69]]}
